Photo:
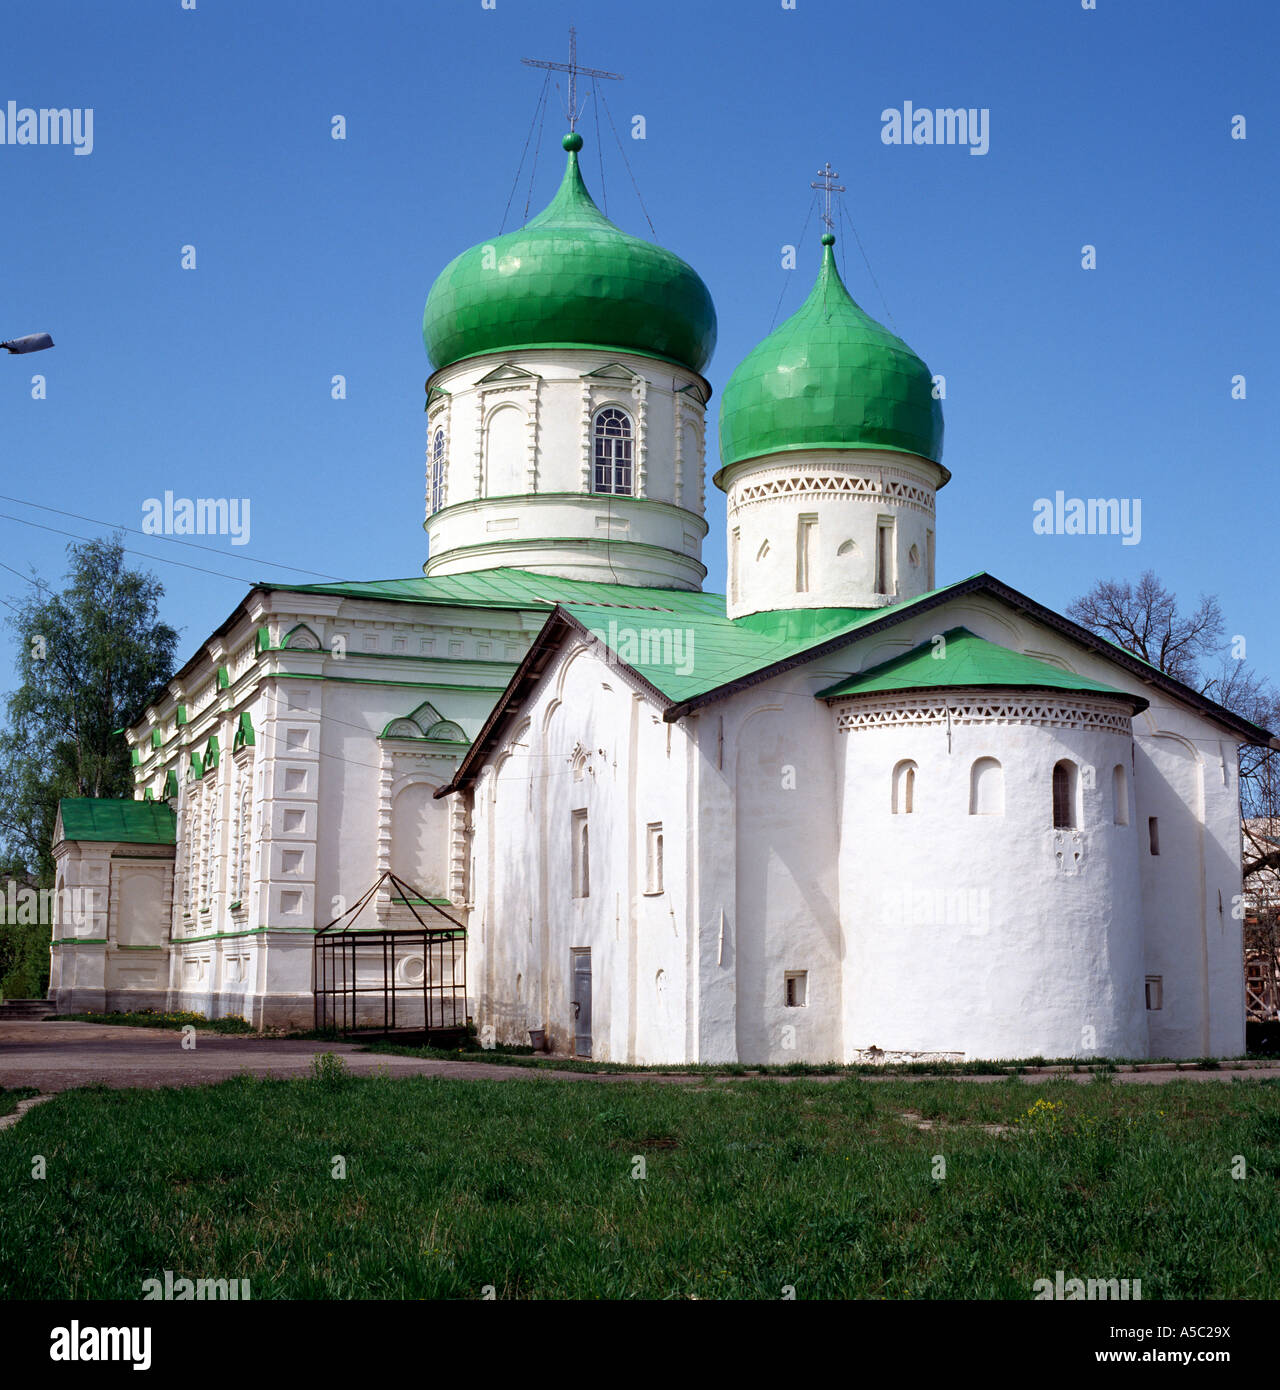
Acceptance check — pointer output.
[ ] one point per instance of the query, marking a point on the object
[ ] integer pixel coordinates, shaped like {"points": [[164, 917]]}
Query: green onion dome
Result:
{"points": [[569, 278], [830, 377]]}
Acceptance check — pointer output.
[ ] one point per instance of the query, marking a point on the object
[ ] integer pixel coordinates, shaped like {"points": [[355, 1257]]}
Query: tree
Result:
{"points": [[1145, 619], [90, 659]]}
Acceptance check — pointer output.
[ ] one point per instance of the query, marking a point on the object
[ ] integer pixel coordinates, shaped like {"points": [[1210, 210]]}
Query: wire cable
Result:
{"points": [[172, 540], [800, 242], [870, 272], [627, 163], [519, 167]]}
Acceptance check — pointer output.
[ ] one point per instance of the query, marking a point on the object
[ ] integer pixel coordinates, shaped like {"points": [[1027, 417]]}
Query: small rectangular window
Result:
{"points": [[581, 855], [1155, 992], [805, 527], [1153, 830], [797, 988], [653, 857], [885, 578], [735, 545]]}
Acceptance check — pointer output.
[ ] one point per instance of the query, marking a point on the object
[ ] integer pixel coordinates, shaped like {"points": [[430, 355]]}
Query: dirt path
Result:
{"points": [[58, 1056]]}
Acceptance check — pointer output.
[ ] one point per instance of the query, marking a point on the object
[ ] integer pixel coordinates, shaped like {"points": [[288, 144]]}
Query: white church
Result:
{"points": [[839, 812]]}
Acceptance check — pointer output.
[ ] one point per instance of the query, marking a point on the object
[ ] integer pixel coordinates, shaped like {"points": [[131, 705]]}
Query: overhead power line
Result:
{"points": [[172, 540]]}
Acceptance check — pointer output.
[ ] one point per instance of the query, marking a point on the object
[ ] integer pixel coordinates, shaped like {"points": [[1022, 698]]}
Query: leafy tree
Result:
{"points": [[90, 659]]}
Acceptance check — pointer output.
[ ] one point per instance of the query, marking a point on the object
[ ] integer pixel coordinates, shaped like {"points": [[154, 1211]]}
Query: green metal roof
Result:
{"points": [[687, 654], [830, 377], [513, 588], [964, 659], [569, 277], [108, 818]]}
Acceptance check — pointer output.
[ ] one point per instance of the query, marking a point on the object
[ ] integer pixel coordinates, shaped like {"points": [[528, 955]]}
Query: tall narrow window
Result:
{"points": [[986, 788], [1120, 792], [613, 451], [805, 527], [928, 559], [904, 788], [190, 849], [581, 856], [208, 847], [735, 545], [437, 472], [1153, 833], [885, 578], [1064, 795], [797, 988], [241, 838], [1155, 992], [653, 859]]}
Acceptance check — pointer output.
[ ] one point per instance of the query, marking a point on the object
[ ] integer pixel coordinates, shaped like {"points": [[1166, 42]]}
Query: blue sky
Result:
{"points": [[314, 256]]}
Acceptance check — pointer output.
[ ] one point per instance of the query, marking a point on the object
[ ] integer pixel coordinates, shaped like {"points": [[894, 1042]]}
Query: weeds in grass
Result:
{"points": [[329, 1070]]}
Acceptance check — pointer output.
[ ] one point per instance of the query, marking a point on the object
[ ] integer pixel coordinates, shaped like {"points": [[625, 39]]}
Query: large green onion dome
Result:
{"points": [[830, 377], [569, 278]]}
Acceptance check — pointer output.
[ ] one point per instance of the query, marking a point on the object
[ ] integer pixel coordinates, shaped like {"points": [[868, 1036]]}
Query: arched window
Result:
{"points": [[437, 471], [420, 840], [1120, 789], [904, 788], [986, 788], [1065, 780], [505, 452], [613, 451]]}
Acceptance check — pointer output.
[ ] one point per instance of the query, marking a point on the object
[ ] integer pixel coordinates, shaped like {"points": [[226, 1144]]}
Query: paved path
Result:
{"points": [[58, 1056]]}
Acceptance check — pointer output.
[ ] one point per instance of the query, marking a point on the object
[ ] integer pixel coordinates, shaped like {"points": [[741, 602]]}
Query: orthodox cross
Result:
{"points": [[827, 182], [574, 70]]}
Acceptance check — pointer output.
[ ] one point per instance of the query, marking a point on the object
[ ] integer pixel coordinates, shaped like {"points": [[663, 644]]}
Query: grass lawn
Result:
{"points": [[9, 1099], [750, 1186], [153, 1018]]}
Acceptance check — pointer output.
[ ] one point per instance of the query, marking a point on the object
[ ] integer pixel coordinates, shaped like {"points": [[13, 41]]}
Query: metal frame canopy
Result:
{"points": [[364, 979]]}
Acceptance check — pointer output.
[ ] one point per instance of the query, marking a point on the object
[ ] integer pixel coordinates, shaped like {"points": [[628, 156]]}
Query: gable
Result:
{"points": [[959, 658]]}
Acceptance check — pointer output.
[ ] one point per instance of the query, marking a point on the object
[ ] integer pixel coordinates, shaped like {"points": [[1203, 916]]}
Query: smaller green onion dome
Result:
{"points": [[569, 278], [830, 377]]}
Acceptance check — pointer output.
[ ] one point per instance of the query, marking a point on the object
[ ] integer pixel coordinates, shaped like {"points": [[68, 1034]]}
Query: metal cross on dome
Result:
{"points": [[827, 182], [574, 70]]}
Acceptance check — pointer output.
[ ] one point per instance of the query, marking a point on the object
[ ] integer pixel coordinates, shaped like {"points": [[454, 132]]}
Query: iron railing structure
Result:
{"points": [[387, 979]]}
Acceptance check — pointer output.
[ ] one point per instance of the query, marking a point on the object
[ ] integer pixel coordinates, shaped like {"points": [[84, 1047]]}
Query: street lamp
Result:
{"points": [[33, 342]]}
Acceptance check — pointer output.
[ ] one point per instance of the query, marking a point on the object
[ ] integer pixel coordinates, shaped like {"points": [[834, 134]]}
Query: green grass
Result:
{"points": [[527, 1186], [154, 1018], [9, 1099]]}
